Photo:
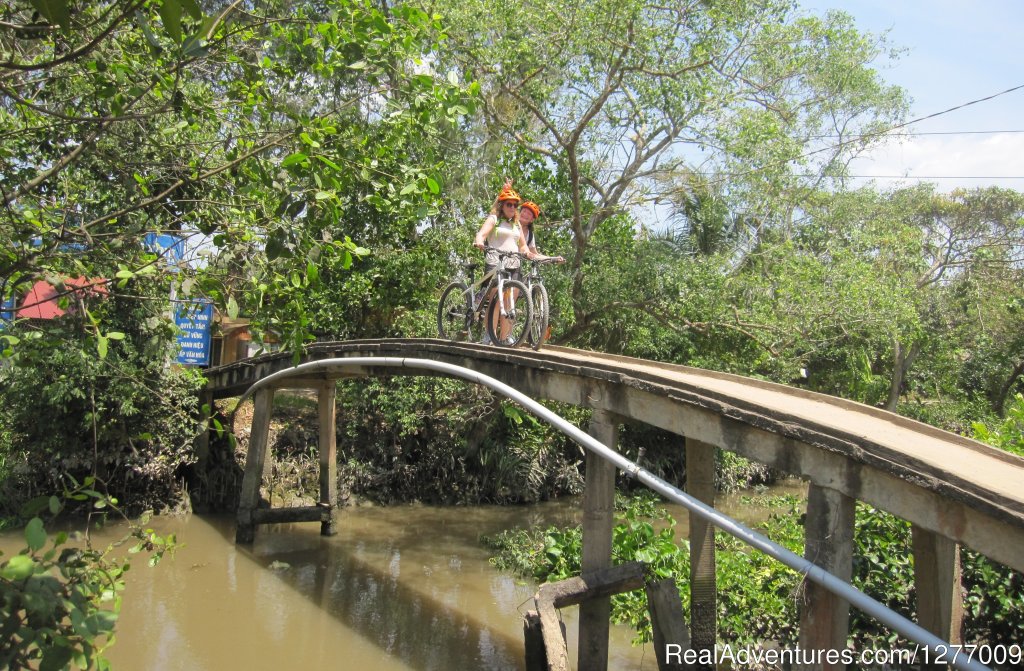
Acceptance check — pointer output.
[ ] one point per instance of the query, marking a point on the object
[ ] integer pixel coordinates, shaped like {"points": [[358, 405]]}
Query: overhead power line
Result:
{"points": [[890, 130], [929, 132], [953, 109], [917, 120], [932, 176]]}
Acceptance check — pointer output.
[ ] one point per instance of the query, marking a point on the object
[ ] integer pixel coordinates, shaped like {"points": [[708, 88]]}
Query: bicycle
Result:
{"points": [[461, 308], [538, 334]]}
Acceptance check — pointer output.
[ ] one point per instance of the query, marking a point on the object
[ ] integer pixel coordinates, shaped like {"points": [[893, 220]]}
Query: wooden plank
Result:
{"points": [[292, 514], [553, 636], [573, 591], [595, 585], [671, 638]]}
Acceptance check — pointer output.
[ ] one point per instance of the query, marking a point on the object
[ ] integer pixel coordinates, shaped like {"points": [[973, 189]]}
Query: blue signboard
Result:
{"points": [[194, 319], [6, 310], [171, 247]]}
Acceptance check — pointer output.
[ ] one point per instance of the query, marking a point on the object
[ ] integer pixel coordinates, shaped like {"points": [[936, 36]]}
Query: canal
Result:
{"points": [[399, 588]]}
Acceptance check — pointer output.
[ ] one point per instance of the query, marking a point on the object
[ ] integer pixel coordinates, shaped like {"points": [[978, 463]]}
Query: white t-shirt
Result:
{"points": [[504, 235]]}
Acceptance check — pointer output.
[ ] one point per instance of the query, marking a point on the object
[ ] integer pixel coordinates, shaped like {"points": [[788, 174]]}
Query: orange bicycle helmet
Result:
{"points": [[507, 193], [532, 207]]}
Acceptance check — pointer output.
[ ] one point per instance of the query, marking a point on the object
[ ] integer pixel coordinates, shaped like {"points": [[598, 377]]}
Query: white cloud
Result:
{"points": [[950, 161]]}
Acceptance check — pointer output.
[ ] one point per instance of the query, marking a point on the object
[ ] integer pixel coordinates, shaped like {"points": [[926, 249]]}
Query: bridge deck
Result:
{"points": [[914, 442], [775, 422]]}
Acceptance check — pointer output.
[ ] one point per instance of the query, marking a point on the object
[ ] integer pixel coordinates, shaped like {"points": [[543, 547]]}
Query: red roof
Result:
{"points": [[41, 302]]}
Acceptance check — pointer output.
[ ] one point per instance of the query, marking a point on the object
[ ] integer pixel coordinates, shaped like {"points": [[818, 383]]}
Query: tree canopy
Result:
{"points": [[635, 101]]}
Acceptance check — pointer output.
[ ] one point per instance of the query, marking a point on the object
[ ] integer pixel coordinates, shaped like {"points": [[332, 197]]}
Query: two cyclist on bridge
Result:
{"points": [[506, 236], [503, 230]]}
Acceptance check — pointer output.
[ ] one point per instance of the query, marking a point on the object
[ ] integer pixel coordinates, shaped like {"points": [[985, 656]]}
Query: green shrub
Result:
{"points": [[1007, 434], [445, 441], [758, 596], [59, 606], [121, 414]]}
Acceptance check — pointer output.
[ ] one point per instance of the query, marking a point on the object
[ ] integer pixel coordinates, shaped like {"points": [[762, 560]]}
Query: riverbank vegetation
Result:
{"points": [[326, 163], [758, 597]]}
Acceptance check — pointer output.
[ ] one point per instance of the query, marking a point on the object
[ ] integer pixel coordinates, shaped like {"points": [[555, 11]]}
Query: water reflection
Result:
{"points": [[398, 589]]}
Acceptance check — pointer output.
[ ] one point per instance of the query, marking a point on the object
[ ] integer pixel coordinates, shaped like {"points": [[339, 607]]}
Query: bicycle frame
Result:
{"points": [[506, 322], [534, 276], [492, 280]]}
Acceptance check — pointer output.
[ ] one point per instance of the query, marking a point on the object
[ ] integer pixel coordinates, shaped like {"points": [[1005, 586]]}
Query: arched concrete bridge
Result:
{"points": [[954, 491]]}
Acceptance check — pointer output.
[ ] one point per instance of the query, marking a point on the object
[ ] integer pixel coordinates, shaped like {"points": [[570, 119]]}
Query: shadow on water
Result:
{"points": [[399, 588], [412, 581], [411, 625]]}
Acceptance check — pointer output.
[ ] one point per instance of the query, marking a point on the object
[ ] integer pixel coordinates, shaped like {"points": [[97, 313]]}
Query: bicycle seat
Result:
{"points": [[471, 266]]}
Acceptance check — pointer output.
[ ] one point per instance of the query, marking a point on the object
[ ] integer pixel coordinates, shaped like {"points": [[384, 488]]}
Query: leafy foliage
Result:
{"points": [[1009, 433], [757, 596], [741, 88], [270, 139], [443, 441], [125, 418], [59, 604], [256, 139]]}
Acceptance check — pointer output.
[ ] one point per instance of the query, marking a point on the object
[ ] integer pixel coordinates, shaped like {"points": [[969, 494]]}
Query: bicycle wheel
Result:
{"points": [[539, 321], [454, 312], [510, 329]]}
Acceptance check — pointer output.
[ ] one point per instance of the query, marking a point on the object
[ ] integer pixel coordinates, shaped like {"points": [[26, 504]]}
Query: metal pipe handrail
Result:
{"points": [[810, 570]]}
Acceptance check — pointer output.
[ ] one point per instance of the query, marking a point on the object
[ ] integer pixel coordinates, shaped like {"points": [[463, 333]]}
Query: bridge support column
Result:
{"points": [[249, 497], [328, 443], [825, 618], [940, 604], [700, 483], [598, 519]]}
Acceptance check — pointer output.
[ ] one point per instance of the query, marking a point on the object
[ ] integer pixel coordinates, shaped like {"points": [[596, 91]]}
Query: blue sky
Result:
{"points": [[956, 51]]}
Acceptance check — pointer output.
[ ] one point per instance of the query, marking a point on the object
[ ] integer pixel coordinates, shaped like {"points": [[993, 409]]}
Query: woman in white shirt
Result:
{"points": [[501, 232]]}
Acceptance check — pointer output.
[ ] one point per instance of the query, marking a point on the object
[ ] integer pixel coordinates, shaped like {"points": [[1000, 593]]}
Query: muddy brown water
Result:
{"points": [[399, 588]]}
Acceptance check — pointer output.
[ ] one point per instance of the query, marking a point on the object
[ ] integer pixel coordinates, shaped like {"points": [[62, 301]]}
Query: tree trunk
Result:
{"points": [[999, 402], [902, 361]]}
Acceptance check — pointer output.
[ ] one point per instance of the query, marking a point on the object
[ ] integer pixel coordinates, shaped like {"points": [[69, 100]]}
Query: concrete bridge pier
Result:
{"points": [[328, 448], [257, 465], [940, 604], [255, 462]]}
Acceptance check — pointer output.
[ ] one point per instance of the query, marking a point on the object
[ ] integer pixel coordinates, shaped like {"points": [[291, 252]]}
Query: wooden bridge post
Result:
{"points": [[328, 444], [940, 604], [598, 519], [828, 542], [249, 497], [700, 483], [668, 625]]}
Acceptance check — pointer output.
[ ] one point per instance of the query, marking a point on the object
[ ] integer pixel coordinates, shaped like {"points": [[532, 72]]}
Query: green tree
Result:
{"points": [[250, 133], [260, 135], [955, 259], [616, 95]]}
